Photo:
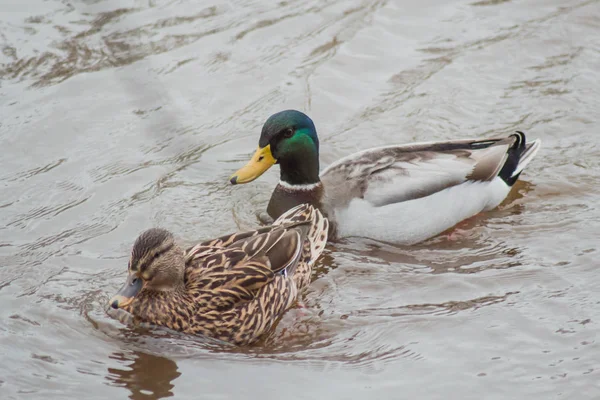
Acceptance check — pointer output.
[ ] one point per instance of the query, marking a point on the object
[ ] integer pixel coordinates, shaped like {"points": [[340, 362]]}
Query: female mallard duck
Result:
{"points": [[233, 288], [403, 194]]}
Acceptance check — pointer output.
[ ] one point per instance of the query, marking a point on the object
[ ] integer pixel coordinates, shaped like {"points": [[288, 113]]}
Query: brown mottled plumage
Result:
{"points": [[233, 288]]}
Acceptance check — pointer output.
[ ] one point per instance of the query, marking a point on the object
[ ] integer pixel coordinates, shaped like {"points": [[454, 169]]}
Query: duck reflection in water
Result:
{"points": [[146, 376]]}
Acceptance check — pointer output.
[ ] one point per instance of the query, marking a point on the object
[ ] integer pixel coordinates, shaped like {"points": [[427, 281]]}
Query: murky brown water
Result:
{"points": [[120, 115]]}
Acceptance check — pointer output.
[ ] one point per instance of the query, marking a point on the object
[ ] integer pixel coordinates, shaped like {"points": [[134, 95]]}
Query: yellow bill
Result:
{"points": [[261, 161]]}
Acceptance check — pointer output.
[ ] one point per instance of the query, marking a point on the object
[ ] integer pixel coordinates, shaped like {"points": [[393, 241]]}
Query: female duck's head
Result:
{"points": [[288, 138], [157, 264]]}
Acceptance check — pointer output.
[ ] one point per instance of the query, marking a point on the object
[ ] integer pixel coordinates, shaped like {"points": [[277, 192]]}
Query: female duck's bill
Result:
{"points": [[127, 293]]}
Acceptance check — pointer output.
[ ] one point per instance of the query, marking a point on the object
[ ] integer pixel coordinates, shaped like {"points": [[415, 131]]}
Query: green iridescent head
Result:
{"points": [[288, 138], [289, 132]]}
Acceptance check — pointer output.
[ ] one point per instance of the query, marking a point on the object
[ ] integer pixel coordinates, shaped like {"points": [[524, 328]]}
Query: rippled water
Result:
{"points": [[120, 115]]}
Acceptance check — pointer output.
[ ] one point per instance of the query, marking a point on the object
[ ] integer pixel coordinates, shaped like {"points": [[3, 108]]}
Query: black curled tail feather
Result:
{"points": [[521, 140], [512, 161]]}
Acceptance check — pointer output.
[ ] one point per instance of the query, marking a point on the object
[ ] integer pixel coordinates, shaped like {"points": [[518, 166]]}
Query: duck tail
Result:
{"points": [[520, 155]]}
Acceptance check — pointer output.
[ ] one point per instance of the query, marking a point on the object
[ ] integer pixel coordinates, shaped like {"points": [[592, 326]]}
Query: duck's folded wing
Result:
{"points": [[400, 173], [300, 215], [279, 247], [281, 242], [206, 252], [224, 285]]}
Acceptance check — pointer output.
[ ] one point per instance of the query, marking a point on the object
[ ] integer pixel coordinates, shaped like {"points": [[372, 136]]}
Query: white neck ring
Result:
{"points": [[306, 187]]}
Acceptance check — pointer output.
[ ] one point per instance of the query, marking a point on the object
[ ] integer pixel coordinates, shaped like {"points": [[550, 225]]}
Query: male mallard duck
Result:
{"points": [[233, 288], [403, 194]]}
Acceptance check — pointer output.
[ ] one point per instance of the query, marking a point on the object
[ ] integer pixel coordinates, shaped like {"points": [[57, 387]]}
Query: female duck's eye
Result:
{"points": [[288, 133]]}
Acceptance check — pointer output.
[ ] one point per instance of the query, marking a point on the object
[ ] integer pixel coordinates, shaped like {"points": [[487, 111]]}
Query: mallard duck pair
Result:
{"points": [[236, 287]]}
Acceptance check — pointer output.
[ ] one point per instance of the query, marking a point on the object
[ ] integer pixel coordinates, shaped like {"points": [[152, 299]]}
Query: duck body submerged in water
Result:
{"points": [[234, 288], [402, 193]]}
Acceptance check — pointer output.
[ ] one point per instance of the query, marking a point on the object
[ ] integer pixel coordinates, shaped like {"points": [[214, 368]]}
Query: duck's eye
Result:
{"points": [[288, 133], [156, 255]]}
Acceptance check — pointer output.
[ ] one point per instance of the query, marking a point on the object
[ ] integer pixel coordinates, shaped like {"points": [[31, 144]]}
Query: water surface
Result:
{"points": [[121, 115]]}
